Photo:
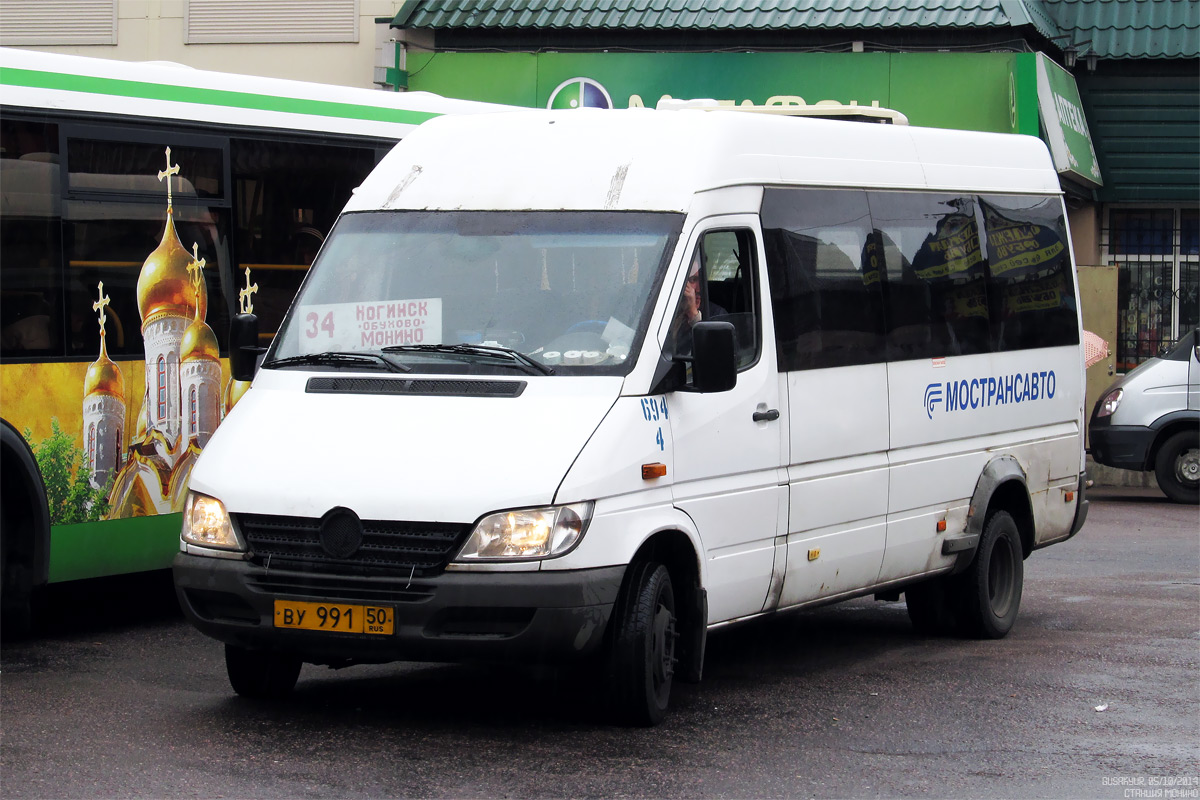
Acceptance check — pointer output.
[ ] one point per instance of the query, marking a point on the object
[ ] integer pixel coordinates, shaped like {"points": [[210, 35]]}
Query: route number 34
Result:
{"points": [[316, 324]]}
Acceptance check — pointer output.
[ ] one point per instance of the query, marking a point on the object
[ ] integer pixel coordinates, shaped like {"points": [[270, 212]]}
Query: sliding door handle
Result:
{"points": [[769, 415]]}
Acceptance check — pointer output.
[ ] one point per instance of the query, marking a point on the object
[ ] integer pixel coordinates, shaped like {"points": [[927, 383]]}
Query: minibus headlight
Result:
{"points": [[527, 533], [1110, 402], [205, 523]]}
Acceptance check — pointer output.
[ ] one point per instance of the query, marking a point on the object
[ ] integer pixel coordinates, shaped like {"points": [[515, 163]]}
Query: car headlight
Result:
{"points": [[527, 533], [206, 523], [1110, 402]]}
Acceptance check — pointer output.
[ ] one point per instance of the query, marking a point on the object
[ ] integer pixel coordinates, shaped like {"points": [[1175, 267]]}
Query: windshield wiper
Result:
{"points": [[335, 358], [490, 351]]}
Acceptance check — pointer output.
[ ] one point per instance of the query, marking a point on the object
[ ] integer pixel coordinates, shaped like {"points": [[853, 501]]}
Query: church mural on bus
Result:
{"points": [[183, 399]]}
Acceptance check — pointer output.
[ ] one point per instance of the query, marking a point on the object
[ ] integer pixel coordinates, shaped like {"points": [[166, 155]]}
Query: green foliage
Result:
{"points": [[66, 475]]}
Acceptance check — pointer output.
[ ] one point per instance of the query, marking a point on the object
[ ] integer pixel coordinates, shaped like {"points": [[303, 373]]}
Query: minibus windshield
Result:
{"points": [[480, 292]]}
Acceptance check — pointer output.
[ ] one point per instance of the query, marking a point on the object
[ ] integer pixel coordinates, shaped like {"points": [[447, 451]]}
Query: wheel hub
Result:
{"points": [[1187, 466], [1000, 580], [664, 645]]}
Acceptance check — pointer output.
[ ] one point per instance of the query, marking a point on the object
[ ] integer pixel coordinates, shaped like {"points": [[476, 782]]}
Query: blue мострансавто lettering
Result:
{"points": [[988, 391]]}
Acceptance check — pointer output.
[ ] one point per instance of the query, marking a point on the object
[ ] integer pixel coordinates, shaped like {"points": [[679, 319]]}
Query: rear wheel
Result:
{"points": [[991, 586], [642, 655], [261, 674], [1177, 467]]}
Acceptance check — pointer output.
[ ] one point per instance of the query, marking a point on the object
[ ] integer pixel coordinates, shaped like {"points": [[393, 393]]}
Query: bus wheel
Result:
{"points": [[260, 674], [1177, 467], [642, 656], [991, 586], [931, 607]]}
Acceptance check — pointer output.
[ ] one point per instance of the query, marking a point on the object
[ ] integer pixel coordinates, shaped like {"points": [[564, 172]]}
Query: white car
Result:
{"points": [[1150, 420]]}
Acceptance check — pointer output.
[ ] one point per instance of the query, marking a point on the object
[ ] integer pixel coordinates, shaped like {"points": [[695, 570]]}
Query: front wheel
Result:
{"points": [[991, 586], [261, 674], [1177, 467], [642, 655]]}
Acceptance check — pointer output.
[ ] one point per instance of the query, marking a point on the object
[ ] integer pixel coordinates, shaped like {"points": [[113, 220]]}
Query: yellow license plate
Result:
{"points": [[334, 617]]}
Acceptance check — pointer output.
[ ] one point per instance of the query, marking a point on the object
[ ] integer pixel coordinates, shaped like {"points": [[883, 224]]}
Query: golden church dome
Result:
{"points": [[234, 390], [199, 342], [164, 287], [104, 377]]}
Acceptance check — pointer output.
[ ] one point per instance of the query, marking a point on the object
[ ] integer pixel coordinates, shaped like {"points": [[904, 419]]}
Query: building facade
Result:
{"points": [[323, 41]]}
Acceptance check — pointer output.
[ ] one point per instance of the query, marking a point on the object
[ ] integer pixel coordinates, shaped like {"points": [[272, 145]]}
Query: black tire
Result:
{"points": [[1177, 467], [931, 605], [641, 663], [991, 586], [24, 535], [260, 674]]}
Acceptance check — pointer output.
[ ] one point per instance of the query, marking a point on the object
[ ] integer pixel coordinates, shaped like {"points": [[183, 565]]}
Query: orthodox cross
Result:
{"points": [[167, 173], [245, 299], [196, 268], [99, 305]]}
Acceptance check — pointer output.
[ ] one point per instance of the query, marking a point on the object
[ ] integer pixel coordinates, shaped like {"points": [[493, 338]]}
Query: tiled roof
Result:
{"points": [[1131, 28], [763, 15]]}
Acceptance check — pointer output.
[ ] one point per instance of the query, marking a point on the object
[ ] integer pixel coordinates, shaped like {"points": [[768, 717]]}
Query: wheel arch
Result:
{"points": [[1167, 426], [1001, 486], [26, 514]]}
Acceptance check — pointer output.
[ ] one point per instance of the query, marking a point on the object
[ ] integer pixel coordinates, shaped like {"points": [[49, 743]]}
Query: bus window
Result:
{"points": [[124, 167], [1030, 273], [825, 272], [936, 284], [287, 195], [111, 243], [30, 283]]}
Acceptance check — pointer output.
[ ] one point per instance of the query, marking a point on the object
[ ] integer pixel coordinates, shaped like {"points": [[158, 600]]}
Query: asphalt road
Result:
{"points": [[119, 697]]}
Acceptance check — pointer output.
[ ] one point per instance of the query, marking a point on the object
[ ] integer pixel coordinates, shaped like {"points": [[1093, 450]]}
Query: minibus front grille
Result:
{"points": [[437, 387], [407, 549], [373, 590]]}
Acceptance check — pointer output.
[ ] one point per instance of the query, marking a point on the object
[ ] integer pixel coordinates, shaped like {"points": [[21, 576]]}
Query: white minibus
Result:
{"points": [[586, 385]]}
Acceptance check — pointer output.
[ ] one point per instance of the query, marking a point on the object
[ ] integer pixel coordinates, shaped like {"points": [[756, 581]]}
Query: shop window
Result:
{"points": [[1157, 251]]}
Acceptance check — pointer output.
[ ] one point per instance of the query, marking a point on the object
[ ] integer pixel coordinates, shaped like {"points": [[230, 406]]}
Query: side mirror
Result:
{"points": [[243, 347], [714, 356]]}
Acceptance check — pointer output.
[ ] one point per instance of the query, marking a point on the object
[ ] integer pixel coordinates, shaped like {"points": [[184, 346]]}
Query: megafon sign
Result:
{"points": [[580, 92]]}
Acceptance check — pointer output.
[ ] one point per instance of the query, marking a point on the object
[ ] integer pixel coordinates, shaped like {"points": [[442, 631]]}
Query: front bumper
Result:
{"points": [[528, 616], [1121, 446]]}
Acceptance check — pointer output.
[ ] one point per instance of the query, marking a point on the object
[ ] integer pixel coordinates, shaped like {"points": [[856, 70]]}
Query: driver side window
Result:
{"points": [[720, 287]]}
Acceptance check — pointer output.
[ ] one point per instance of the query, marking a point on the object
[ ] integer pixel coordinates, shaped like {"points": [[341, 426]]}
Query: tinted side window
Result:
{"points": [[1032, 283], [935, 293], [31, 313], [114, 166], [138, 215], [824, 266], [111, 243]]}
